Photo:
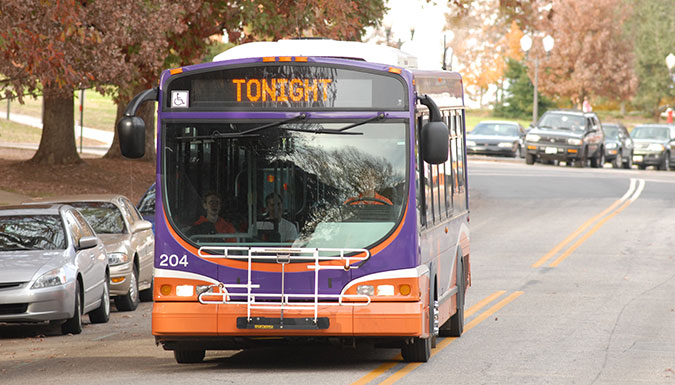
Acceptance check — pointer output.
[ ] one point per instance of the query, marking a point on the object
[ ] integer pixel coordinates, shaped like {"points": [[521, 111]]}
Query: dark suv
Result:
{"points": [[566, 135]]}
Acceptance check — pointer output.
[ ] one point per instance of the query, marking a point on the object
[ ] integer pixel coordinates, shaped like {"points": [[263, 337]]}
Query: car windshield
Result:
{"points": [[31, 232], [104, 217], [611, 132], [147, 204], [298, 184], [562, 122], [650, 132], [495, 129]]}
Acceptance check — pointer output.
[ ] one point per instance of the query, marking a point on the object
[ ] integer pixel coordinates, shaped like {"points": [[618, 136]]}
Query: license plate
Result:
{"points": [[551, 150], [638, 158]]}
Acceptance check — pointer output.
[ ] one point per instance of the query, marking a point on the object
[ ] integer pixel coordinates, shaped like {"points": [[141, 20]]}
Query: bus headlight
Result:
{"points": [[185, 290], [368, 290]]}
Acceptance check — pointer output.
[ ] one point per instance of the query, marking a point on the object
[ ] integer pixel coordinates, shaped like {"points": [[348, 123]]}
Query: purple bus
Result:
{"points": [[307, 190]]}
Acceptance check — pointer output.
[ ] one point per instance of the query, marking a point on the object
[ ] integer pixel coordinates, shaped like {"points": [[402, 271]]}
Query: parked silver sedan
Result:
{"points": [[496, 138], [53, 267], [128, 239]]}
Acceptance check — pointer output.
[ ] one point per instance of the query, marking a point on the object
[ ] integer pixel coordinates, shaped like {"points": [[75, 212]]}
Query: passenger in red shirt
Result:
{"points": [[217, 224]]}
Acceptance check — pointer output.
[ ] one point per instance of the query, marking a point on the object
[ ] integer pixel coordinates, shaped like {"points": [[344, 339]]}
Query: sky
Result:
{"points": [[428, 20]]}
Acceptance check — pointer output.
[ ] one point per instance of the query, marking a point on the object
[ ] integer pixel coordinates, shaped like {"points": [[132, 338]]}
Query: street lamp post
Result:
{"points": [[525, 45], [670, 63]]}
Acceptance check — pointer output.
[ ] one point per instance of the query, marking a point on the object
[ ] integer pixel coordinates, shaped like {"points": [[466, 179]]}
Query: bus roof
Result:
{"points": [[322, 48]]}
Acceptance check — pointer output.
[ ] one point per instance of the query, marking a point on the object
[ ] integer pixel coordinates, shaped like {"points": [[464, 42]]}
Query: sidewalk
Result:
{"points": [[9, 198], [102, 136]]}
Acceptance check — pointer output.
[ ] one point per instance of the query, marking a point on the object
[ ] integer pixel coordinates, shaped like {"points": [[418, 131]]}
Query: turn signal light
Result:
{"points": [[165, 289], [117, 279], [404, 289]]}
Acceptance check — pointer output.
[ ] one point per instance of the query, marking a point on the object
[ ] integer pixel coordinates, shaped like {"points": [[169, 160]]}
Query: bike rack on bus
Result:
{"points": [[284, 256]]}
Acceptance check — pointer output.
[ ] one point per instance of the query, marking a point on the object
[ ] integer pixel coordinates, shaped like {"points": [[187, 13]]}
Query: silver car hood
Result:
{"points": [[21, 266], [115, 242]]}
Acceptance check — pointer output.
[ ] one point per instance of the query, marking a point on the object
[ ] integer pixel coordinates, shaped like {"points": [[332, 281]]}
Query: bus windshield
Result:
{"points": [[295, 184]]}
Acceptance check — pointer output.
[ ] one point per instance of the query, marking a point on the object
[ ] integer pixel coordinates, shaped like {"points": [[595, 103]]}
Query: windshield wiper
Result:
{"points": [[247, 133], [342, 131], [301, 116]]}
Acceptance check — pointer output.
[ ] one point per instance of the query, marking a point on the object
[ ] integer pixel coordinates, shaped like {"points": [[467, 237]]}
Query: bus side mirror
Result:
{"points": [[131, 128], [131, 133], [435, 142], [434, 134]]}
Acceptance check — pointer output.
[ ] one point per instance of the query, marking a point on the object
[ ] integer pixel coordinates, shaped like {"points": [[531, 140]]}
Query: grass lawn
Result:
{"points": [[99, 110]]}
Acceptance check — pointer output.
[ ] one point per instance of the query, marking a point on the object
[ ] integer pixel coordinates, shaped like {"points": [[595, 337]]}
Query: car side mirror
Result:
{"points": [[87, 243], [142, 226]]}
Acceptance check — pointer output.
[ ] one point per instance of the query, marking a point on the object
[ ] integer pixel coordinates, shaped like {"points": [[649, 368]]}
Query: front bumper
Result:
{"points": [[173, 322], [556, 151], [646, 158], [23, 304], [490, 150], [120, 278]]}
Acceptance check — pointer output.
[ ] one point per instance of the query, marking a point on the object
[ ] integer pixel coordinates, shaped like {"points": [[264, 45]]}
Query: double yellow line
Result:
{"points": [[397, 375], [634, 191]]}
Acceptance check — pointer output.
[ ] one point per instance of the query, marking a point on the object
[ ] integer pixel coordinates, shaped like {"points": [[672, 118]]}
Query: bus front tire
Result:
{"points": [[418, 350], [189, 356]]}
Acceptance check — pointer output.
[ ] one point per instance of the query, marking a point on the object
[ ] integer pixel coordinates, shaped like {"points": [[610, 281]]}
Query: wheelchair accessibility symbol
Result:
{"points": [[180, 99]]}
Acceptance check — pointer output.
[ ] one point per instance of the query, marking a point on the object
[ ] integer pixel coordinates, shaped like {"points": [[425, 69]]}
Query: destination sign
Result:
{"points": [[306, 87], [282, 90]]}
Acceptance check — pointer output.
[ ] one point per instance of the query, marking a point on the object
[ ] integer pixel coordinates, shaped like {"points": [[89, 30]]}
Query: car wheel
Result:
{"points": [[189, 356], [146, 295], [74, 325], [581, 163], [628, 163], [529, 158], [518, 152], [102, 313], [129, 301], [618, 161], [598, 160], [665, 163]]}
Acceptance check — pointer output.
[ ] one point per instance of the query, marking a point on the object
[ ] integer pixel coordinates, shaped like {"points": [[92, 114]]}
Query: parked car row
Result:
{"points": [[62, 258], [578, 139]]}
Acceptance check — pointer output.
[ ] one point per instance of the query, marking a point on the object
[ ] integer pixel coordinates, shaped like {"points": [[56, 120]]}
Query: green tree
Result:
{"points": [[652, 27], [519, 94]]}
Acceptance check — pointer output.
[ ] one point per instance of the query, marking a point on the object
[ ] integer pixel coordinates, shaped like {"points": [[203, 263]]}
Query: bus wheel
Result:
{"points": [[189, 356], [455, 325], [417, 350]]}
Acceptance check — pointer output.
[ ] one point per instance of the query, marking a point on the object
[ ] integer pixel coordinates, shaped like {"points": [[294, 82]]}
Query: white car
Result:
{"points": [[128, 239], [53, 267]]}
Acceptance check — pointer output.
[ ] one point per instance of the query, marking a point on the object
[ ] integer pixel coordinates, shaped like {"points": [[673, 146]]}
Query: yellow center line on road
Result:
{"points": [[592, 231], [631, 190], [444, 343]]}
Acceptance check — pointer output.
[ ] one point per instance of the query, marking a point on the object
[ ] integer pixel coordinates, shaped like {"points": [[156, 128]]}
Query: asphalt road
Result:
{"points": [[573, 276]]}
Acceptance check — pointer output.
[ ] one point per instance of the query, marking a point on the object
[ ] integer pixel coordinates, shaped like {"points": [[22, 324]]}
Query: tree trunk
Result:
{"points": [[57, 144], [147, 113]]}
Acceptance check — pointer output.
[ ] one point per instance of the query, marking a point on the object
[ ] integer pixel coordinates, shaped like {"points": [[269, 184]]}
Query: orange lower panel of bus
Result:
{"points": [[375, 319]]}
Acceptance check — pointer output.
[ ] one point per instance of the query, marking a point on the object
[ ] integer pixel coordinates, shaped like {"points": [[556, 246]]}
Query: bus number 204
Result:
{"points": [[173, 260]]}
